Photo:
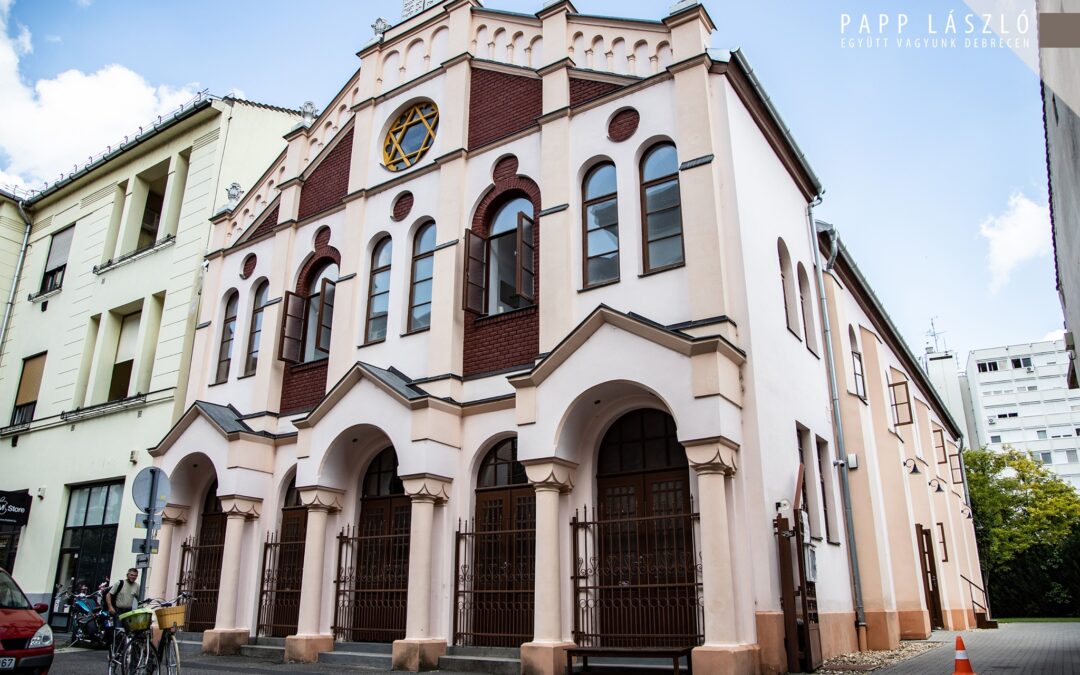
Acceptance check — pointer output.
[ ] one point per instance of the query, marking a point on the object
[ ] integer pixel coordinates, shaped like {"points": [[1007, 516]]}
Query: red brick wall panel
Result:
{"points": [[302, 386], [268, 224], [501, 104], [403, 204], [329, 182], [586, 90], [623, 125], [511, 339]]}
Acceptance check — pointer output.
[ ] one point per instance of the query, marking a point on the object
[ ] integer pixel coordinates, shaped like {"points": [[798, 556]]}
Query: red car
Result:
{"points": [[26, 641]]}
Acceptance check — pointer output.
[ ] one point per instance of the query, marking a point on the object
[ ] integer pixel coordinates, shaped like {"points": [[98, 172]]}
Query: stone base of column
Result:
{"points": [[544, 658], [727, 659], [306, 648], [914, 624], [882, 630], [221, 642], [416, 655]]}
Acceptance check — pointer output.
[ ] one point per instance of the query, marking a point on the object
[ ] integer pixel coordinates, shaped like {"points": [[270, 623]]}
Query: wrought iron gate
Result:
{"points": [[279, 590], [494, 594], [200, 572], [372, 583], [637, 579]]}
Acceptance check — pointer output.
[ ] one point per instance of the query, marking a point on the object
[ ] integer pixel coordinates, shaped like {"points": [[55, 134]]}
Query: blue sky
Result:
{"points": [[933, 159]]}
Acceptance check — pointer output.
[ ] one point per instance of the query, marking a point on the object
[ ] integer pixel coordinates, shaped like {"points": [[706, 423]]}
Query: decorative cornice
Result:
{"points": [[565, 62], [427, 487], [321, 498], [550, 473], [175, 514], [715, 455]]}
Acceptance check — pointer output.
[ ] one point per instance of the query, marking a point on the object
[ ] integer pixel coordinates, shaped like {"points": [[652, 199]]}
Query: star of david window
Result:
{"points": [[410, 136]]}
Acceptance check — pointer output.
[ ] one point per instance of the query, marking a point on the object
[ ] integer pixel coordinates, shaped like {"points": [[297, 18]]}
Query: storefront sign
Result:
{"points": [[15, 508]]}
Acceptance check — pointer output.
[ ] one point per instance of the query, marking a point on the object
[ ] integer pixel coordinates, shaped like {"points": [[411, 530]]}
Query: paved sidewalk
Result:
{"points": [[1014, 648]]}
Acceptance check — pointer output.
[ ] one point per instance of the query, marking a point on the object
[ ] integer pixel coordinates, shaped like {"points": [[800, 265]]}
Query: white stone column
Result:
{"points": [[225, 637], [309, 640], [419, 650], [551, 478], [175, 186], [714, 463], [172, 516]]}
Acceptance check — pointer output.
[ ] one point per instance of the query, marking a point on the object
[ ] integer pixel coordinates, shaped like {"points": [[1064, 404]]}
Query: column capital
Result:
{"points": [[427, 487], [316, 497], [239, 506], [177, 514], [550, 473], [716, 455]]}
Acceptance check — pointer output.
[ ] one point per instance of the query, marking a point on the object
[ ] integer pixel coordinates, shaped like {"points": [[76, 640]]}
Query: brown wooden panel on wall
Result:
{"points": [[501, 104], [329, 182]]}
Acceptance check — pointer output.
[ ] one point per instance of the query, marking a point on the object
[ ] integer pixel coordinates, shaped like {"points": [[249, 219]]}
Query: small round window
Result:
{"points": [[410, 136]]}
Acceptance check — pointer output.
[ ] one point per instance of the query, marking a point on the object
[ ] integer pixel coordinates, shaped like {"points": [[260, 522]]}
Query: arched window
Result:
{"points": [[661, 208], [228, 335], [600, 223], [501, 468], [305, 332], [379, 291], [262, 292], [857, 364], [787, 288], [806, 301], [423, 265], [381, 479], [499, 268]]}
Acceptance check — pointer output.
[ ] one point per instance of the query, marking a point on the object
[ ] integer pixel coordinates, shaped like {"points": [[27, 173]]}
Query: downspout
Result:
{"points": [[838, 423], [15, 279]]}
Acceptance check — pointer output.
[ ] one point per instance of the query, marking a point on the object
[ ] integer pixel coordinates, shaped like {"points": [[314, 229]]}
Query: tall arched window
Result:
{"points": [[423, 265], [806, 301], [262, 291], [228, 335], [858, 375], [499, 268], [378, 291], [787, 288], [661, 208], [600, 223], [305, 332]]}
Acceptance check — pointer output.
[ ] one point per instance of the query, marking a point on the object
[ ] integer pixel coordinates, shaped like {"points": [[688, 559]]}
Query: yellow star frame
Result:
{"points": [[402, 150]]}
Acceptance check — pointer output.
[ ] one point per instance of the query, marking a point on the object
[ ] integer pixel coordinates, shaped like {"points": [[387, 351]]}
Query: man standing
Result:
{"points": [[122, 595]]}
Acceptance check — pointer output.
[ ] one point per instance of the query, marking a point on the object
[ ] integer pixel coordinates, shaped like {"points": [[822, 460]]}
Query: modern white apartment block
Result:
{"points": [[1020, 398], [96, 352]]}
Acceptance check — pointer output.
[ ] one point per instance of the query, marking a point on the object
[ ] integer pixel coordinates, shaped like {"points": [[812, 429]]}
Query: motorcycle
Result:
{"points": [[91, 623]]}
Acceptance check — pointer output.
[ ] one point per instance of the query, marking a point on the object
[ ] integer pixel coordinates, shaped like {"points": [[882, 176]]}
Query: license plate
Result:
{"points": [[7, 663]]}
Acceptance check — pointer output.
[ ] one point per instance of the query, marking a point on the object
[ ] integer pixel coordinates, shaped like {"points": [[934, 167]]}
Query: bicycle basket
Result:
{"points": [[136, 620], [167, 617]]}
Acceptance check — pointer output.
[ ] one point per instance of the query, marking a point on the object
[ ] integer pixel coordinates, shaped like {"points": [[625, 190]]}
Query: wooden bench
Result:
{"points": [[673, 653]]}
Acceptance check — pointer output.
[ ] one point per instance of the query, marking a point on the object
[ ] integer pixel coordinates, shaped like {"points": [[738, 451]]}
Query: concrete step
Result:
{"points": [[494, 665], [265, 652], [504, 652], [269, 641], [190, 645], [364, 647], [357, 659]]}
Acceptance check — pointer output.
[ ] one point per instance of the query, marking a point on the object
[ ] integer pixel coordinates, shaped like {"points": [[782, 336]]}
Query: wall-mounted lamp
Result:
{"points": [[936, 484], [912, 467]]}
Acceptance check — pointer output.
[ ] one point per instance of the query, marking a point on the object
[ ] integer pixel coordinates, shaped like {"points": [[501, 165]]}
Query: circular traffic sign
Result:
{"points": [[151, 490]]}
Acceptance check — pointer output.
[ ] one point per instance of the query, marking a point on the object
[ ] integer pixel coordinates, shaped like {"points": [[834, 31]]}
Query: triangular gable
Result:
{"points": [[225, 419], [636, 325], [326, 181], [263, 225]]}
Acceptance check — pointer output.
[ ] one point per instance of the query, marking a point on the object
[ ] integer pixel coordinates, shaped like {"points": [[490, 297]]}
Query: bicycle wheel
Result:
{"points": [[139, 656], [170, 656]]}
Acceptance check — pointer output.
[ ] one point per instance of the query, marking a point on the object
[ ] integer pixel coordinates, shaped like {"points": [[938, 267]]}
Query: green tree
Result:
{"points": [[1027, 525]]}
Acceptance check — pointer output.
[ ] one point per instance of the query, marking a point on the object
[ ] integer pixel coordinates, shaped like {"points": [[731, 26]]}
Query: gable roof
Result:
{"points": [[226, 419]]}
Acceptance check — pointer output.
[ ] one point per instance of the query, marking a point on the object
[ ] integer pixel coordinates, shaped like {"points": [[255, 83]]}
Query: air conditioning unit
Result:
{"points": [[1030, 369]]}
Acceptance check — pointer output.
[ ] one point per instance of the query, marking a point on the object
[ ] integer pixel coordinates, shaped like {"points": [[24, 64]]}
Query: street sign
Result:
{"points": [[142, 520], [140, 545], [151, 490], [142, 561]]}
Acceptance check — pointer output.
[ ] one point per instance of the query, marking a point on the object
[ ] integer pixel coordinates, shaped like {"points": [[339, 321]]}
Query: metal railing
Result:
{"points": [[494, 574], [372, 586], [279, 589]]}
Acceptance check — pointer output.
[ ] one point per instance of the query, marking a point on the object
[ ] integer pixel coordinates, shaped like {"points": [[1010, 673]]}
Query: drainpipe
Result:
{"points": [[838, 423], [15, 279]]}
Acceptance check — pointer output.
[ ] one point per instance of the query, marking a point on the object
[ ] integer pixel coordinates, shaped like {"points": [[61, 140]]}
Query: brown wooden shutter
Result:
{"points": [[525, 275], [473, 295], [326, 315], [291, 338], [30, 383]]}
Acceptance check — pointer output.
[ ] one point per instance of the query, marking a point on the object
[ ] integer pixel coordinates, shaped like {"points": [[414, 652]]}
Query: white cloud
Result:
{"points": [[53, 39], [24, 43], [1018, 234], [84, 3], [1058, 334], [60, 122]]}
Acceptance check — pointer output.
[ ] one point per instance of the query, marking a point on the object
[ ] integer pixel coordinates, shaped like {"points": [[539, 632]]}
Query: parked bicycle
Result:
{"points": [[136, 650]]}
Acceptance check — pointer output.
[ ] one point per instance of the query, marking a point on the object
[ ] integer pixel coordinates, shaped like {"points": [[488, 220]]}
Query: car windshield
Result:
{"points": [[11, 597]]}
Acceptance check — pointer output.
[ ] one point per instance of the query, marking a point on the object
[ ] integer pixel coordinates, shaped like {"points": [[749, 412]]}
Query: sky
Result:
{"points": [[933, 158]]}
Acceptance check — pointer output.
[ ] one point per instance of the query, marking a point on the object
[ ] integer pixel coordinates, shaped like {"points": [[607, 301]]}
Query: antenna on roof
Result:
{"points": [[934, 334]]}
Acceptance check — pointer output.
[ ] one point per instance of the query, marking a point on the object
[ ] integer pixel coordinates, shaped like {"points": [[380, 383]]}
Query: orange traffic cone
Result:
{"points": [[963, 666]]}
